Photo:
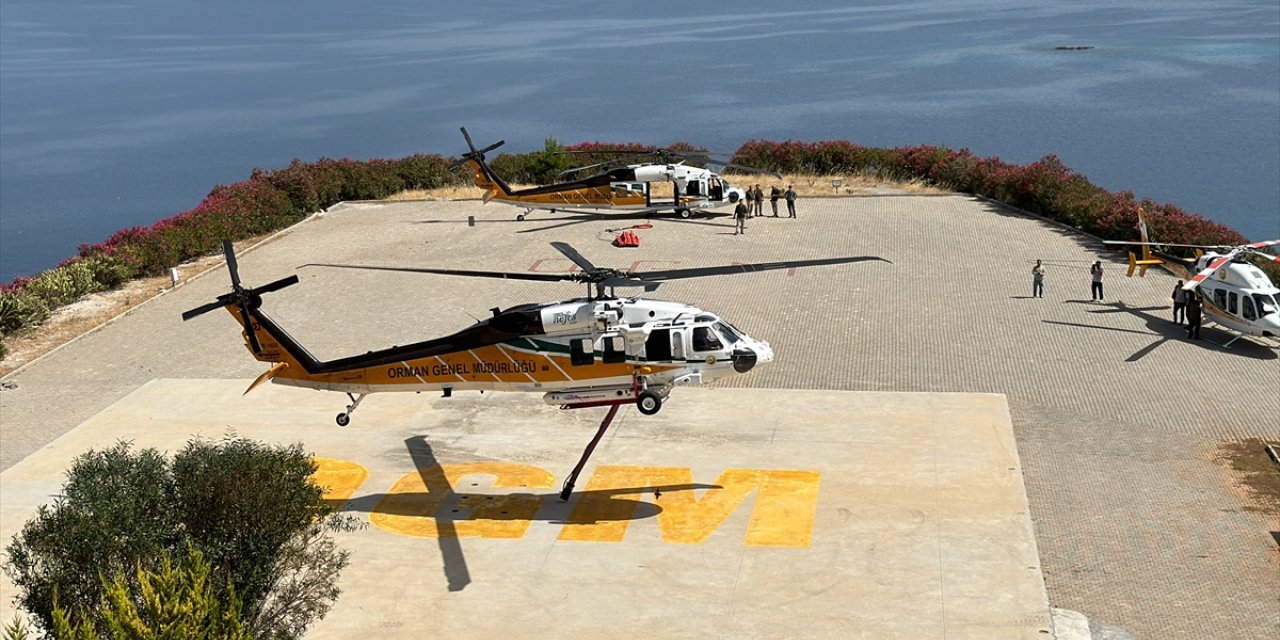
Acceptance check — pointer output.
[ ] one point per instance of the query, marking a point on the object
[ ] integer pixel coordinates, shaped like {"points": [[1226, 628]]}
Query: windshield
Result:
{"points": [[1266, 304], [729, 334]]}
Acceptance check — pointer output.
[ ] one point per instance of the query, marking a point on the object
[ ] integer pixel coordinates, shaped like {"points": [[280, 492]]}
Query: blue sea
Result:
{"points": [[121, 112]]}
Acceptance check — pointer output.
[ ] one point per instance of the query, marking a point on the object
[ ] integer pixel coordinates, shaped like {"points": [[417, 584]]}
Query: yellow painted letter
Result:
{"points": [[412, 507], [785, 507]]}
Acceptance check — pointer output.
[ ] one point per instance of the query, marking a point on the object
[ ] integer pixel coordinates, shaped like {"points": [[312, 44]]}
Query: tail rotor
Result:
{"points": [[242, 298], [474, 154]]}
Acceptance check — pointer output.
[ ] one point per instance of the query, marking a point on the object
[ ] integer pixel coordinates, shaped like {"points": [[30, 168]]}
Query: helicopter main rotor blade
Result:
{"points": [[248, 329], [1253, 248], [467, 137], [584, 168], [1167, 244], [231, 262], [491, 147], [203, 309], [572, 254], [698, 272], [745, 169], [276, 286], [540, 277], [1208, 271]]}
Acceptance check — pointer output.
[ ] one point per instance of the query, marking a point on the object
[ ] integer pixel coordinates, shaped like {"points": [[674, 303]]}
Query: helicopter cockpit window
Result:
{"points": [[704, 339], [580, 352], [1265, 304], [729, 334]]}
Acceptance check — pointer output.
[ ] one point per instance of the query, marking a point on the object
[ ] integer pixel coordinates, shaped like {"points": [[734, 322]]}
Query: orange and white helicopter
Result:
{"points": [[616, 190], [597, 351], [1233, 292]]}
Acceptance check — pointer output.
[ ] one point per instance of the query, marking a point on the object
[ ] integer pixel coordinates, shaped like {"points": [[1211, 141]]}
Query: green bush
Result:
{"points": [[21, 310], [250, 509]]}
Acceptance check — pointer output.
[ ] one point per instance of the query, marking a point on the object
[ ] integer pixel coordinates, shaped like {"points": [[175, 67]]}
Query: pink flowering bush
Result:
{"points": [[269, 200]]}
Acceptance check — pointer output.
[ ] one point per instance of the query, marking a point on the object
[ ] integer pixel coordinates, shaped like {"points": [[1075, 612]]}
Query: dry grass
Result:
{"points": [[1253, 472], [805, 186]]}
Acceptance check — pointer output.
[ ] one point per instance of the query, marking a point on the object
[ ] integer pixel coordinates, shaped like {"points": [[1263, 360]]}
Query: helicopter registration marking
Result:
{"points": [[424, 503]]}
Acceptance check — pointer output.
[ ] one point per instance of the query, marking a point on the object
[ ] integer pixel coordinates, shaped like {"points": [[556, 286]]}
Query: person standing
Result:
{"points": [[790, 196], [759, 198], [1037, 280], [740, 215], [1096, 272], [774, 195], [1193, 317], [1179, 303]]}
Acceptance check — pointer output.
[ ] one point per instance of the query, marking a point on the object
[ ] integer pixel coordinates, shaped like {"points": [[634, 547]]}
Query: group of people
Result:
{"points": [[752, 205], [1186, 304], [1095, 274]]}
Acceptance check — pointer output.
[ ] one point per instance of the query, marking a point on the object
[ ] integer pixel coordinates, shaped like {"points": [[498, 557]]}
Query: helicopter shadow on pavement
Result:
{"points": [[1164, 327], [456, 507]]}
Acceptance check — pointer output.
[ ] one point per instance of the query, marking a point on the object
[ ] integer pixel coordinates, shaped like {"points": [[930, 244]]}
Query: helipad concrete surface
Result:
{"points": [[1116, 417], [733, 513]]}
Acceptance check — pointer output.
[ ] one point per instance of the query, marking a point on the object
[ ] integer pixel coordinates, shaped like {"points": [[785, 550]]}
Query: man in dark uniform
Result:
{"points": [[774, 195], [740, 215], [1193, 316], [790, 195], [758, 194]]}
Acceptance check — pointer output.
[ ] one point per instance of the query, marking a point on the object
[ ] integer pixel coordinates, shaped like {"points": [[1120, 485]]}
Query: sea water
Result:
{"points": [[121, 113]]}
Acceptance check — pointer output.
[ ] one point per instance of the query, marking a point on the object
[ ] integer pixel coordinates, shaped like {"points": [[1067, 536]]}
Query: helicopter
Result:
{"points": [[599, 351], [1234, 293], [617, 189]]}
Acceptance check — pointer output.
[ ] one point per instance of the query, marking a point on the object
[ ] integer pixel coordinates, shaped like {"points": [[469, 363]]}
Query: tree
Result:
{"points": [[174, 601], [248, 508], [546, 165]]}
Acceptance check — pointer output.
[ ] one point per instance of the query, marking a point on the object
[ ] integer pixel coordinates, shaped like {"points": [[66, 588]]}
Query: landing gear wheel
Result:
{"points": [[520, 217], [343, 419], [685, 213], [648, 402]]}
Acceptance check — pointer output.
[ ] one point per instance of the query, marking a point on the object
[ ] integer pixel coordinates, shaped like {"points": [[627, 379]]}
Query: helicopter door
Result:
{"points": [[1247, 307], [677, 345]]}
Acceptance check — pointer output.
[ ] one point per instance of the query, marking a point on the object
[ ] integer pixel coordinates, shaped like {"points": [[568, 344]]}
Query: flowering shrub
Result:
{"points": [[267, 201]]}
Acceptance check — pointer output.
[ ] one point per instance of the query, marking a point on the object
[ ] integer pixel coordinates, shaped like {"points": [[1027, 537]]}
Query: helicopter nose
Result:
{"points": [[744, 359]]}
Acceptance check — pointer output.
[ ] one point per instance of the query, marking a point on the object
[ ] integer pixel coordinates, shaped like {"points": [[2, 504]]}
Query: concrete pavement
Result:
{"points": [[1116, 418]]}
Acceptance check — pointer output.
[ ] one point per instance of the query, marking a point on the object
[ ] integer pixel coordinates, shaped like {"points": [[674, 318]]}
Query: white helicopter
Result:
{"points": [[1234, 293], [597, 351], [618, 189]]}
